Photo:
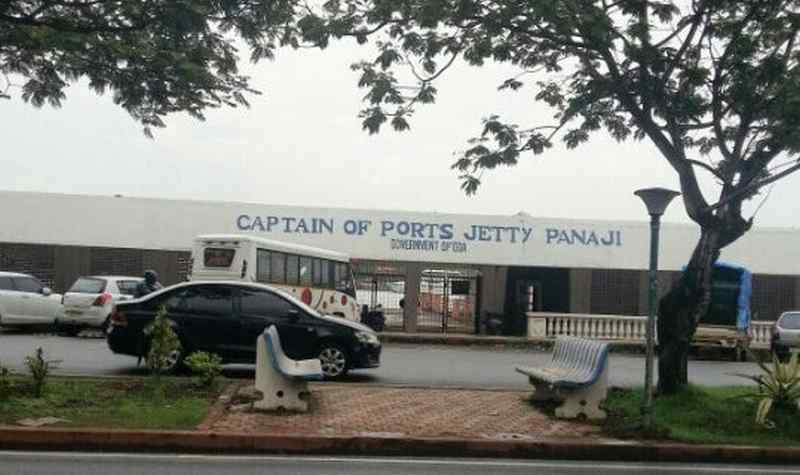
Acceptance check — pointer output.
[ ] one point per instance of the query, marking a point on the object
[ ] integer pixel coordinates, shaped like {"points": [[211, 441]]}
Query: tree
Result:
{"points": [[157, 56], [714, 84]]}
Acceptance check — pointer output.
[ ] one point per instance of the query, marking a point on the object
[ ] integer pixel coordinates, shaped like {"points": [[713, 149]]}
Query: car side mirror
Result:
{"points": [[46, 291], [293, 315]]}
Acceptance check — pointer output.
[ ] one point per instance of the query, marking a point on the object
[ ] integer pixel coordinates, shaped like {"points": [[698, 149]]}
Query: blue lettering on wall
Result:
{"points": [[427, 236]]}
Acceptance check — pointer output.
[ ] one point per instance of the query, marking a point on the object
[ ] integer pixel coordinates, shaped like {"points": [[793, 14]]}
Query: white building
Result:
{"points": [[581, 266]]}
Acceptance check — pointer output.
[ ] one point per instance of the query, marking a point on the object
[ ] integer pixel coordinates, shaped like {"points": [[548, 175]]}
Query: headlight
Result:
{"points": [[367, 338]]}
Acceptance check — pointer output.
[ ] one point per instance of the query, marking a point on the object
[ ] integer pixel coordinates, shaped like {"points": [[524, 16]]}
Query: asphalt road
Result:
{"points": [[417, 365], [51, 463]]}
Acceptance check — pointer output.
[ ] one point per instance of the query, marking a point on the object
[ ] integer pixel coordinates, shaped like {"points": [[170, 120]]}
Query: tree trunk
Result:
{"points": [[680, 311]]}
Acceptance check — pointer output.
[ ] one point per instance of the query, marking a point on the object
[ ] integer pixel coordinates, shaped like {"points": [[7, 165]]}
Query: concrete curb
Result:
{"points": [[368, 445], [544, 344]]}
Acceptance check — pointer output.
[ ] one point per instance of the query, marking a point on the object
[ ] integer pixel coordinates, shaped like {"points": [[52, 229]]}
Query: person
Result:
{"points": [[150, 284]]}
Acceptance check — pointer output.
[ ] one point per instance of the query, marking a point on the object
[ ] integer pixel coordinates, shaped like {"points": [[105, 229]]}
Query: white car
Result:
{"points": [[90, 300], [25, 301]]}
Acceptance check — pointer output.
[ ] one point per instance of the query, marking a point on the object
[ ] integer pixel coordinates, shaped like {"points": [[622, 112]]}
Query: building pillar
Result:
{"points": [[411, 296], [580, 290]]}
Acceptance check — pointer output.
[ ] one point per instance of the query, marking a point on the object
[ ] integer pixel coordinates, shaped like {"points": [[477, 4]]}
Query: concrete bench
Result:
{"points": [[577, 375], [283, 381]]}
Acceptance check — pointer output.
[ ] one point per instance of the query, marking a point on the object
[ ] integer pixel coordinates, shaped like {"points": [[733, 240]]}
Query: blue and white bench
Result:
{"points": [[577, 375], [283, 381]]}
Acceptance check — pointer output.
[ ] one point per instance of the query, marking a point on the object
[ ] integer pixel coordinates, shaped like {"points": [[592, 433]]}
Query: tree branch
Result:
{"points": [[754, 187]]}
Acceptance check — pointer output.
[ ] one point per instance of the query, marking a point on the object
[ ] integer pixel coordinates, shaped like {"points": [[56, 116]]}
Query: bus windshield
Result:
{"points": [[344, 279]]}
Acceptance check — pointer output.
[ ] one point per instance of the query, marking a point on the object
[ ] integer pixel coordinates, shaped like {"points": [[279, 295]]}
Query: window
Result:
{"points": [[258, 302], [127, 287], [263, 265], [325, 275], [344, 280], [317, 266], [27, 284], [85, 285], [305, 271], [791, 321], [202, 300], [218, 257], [5, 283], [292, 270], [278, 264]]}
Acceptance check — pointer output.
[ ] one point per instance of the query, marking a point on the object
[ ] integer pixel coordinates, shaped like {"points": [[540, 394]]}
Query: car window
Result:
{"points": [[86, 285], [5, 283], [127, 287], [204, 299], [260, 302], [791, 321], [27, 284]]}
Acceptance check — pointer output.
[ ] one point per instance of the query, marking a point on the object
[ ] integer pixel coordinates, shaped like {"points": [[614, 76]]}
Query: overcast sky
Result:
{"points": [[301, 143]]}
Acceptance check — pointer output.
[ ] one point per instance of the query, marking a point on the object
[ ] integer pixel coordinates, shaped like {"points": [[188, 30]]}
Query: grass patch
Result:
{"points": [[700, 415], [123, 404]]}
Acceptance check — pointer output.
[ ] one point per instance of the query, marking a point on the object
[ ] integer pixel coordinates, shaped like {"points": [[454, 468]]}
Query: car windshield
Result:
{"points": [[88, 285], [791, 321]]}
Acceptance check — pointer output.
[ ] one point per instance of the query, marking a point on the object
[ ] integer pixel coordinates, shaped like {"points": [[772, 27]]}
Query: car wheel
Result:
{"points": [[334, 360]]}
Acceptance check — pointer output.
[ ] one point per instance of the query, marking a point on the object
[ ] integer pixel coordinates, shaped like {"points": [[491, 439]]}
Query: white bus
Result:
{"points": [[320, 278]]}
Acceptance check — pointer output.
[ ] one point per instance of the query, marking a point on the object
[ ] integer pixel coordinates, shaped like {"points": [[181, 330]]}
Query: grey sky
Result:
{"points": [[301, 143]]}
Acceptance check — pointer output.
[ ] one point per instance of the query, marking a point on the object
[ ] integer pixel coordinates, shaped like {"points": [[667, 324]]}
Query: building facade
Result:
{"points": [[460, 269]]}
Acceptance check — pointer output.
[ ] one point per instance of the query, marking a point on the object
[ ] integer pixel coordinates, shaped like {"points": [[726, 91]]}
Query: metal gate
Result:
{"points": [[448, 300]]}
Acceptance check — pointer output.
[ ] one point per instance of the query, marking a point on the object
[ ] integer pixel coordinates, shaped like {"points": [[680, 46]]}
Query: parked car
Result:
{"points": [[25, 301], [786, 334], [227, 317], [90, 300]]}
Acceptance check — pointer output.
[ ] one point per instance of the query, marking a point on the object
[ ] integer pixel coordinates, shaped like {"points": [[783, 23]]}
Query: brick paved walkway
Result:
{"points": [[368, 410]]}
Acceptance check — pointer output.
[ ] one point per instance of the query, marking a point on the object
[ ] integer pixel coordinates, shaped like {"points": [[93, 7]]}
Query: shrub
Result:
{"points": [[39, 368], [207, 365], [778, 387], [5, 382], [164, 343]]}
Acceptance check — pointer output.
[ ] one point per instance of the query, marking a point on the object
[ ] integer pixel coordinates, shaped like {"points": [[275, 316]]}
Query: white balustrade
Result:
{"points": [[614, 327], [759, 333]]}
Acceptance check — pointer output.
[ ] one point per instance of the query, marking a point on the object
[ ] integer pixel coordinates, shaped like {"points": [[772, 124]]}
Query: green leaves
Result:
{"points": [[778, 386], [156, 57], [164, 345], [208, 367], [715, 78]]}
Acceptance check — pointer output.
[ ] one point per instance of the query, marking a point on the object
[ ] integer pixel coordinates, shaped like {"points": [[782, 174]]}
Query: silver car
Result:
{"points": [[786, 333]]}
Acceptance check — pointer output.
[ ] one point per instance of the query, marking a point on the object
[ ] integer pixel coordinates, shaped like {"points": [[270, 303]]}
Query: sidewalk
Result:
{"points": [[366, 410], [365, 420]]}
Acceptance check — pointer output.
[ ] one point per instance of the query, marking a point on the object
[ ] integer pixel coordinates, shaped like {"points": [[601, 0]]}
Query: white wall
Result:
{"points": [[370, 234]]}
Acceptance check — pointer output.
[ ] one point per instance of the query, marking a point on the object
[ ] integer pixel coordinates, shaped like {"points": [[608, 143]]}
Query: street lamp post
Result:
{"points": [[656, 200]]}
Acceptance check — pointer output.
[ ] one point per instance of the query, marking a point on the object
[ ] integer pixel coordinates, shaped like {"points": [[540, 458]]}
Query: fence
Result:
{"points": [[614, 327]]}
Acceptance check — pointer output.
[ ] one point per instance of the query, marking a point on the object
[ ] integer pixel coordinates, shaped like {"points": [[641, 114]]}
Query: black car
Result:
{"points": [[226, 318]]}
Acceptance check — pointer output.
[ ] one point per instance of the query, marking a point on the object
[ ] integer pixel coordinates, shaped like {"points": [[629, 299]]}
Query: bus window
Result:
{"points": [[278, 263], [216, 257], [317, 266], [262, 266], [344, 279], [305, 271], [292, 270], [325, 274]]}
